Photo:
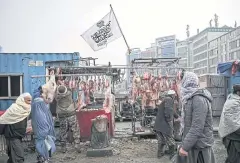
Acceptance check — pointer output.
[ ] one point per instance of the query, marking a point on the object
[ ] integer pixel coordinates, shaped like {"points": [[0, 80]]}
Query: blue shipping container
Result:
{"points": [[20, 67]]}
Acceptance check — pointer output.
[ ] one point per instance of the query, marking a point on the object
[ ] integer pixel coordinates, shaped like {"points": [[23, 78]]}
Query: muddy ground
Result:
{"points": [[125, 150]]}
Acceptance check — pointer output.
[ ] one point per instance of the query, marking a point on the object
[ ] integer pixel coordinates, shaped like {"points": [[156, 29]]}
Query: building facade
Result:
{"points": [[224, 48], [182, 51], [200, 49], [166, 46]]}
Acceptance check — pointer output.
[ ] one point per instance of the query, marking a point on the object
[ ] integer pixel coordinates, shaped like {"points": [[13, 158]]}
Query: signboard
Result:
{"points": [[39, 63], [32, 63]]}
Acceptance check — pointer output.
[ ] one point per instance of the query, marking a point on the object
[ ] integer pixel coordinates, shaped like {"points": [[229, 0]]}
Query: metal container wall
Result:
{"points": [[233, 80], [21, 63], [211, 80]]}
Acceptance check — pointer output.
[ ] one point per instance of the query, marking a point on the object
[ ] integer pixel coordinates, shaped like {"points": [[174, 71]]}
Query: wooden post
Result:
{"points": [[120, 29]]}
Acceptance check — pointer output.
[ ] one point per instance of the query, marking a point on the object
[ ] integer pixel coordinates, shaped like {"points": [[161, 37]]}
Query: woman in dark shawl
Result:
{"points": [[43, 127]]}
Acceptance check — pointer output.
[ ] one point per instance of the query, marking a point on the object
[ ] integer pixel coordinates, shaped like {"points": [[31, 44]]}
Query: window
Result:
{"points": [[232, 55], [238, 54], [3, 86], [233, 44], [10, 86]]}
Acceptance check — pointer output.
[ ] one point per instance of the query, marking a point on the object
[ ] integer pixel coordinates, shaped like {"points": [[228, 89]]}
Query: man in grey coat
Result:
{"points": [[164, 124], [197, 122]]}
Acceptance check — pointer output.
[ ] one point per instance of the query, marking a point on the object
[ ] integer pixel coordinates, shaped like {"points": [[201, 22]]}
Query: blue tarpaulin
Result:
{"points": [[226, 69]]}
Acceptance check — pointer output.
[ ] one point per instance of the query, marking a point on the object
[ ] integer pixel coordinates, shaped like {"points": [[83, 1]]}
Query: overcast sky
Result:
{"points": [[56, 25]]}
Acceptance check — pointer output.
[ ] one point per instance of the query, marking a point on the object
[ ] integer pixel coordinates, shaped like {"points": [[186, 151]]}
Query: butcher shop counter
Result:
{"points": [[85, 117]]}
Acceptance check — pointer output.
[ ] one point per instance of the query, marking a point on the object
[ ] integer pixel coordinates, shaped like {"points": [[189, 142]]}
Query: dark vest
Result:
{"points": [[161, 125]]}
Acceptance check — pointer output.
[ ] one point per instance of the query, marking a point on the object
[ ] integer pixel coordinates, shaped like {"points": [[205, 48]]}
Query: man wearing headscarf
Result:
{"points": [[164, 124], [229, 126], [197, 121], [66, 112], [15, 120], [43, 126]]}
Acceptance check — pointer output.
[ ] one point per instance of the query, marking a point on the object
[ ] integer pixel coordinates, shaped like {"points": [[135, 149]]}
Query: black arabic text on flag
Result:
{"points": [[103, 32]]}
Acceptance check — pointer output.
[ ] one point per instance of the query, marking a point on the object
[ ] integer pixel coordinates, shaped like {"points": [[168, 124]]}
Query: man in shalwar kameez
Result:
{"points": [[197, 122], [66, 111], [229, 126]]}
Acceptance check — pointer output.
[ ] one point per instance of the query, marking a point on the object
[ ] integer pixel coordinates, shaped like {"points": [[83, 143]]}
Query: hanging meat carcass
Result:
{"points": [[174, 86], [87, 94], [72, 83], [59, 73], [155, 94], [136, 87], [164, 85], [82, 95], [108, 102], [49, 88], [146, 76], [144, 90]]}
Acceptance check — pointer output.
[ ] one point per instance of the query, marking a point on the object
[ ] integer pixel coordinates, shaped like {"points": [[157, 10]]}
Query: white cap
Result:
{"points": [[171, 92]]}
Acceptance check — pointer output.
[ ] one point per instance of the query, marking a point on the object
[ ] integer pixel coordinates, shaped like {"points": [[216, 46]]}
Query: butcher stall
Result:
{"points": [[92, 91], [151, 79]]}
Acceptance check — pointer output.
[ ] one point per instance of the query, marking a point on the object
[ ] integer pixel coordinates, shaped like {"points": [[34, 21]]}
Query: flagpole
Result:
{"points": [[129, 50], [120, 29]]}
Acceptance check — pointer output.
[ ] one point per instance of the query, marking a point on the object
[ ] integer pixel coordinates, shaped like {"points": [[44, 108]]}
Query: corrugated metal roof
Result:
{"points": [[21, 63]]}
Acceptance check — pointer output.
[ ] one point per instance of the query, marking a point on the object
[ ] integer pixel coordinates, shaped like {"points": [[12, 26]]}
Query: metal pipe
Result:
{"points": [[127, 67], [69, 75], [158, 58]]}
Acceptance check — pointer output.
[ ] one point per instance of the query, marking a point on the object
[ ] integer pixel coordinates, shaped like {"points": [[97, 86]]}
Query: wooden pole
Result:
{"points": [[129, 50], [120, 29]]}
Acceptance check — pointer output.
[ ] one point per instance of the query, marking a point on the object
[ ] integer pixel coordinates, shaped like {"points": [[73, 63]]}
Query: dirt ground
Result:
{"points": [[125, 150]]}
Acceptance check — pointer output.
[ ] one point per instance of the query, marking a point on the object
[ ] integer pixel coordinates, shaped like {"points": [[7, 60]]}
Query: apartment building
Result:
{"points": [[166, 46], [199, 49], [224, 48], [183, 50]]}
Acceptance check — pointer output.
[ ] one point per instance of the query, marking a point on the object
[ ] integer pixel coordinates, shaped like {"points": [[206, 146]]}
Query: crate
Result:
{"points": [[217, 91], [219, 98], [211, 80]]}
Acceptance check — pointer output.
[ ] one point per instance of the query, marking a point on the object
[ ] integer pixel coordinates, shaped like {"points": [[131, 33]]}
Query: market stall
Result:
{"points": [[92, 93], [151, 79]]}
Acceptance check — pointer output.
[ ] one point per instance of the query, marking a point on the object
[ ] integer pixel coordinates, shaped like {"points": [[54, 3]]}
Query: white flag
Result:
{"points": [[103, 32]]}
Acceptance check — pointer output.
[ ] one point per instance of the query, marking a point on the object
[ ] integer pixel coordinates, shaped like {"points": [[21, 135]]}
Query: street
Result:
{"points": [[125, 149]]}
